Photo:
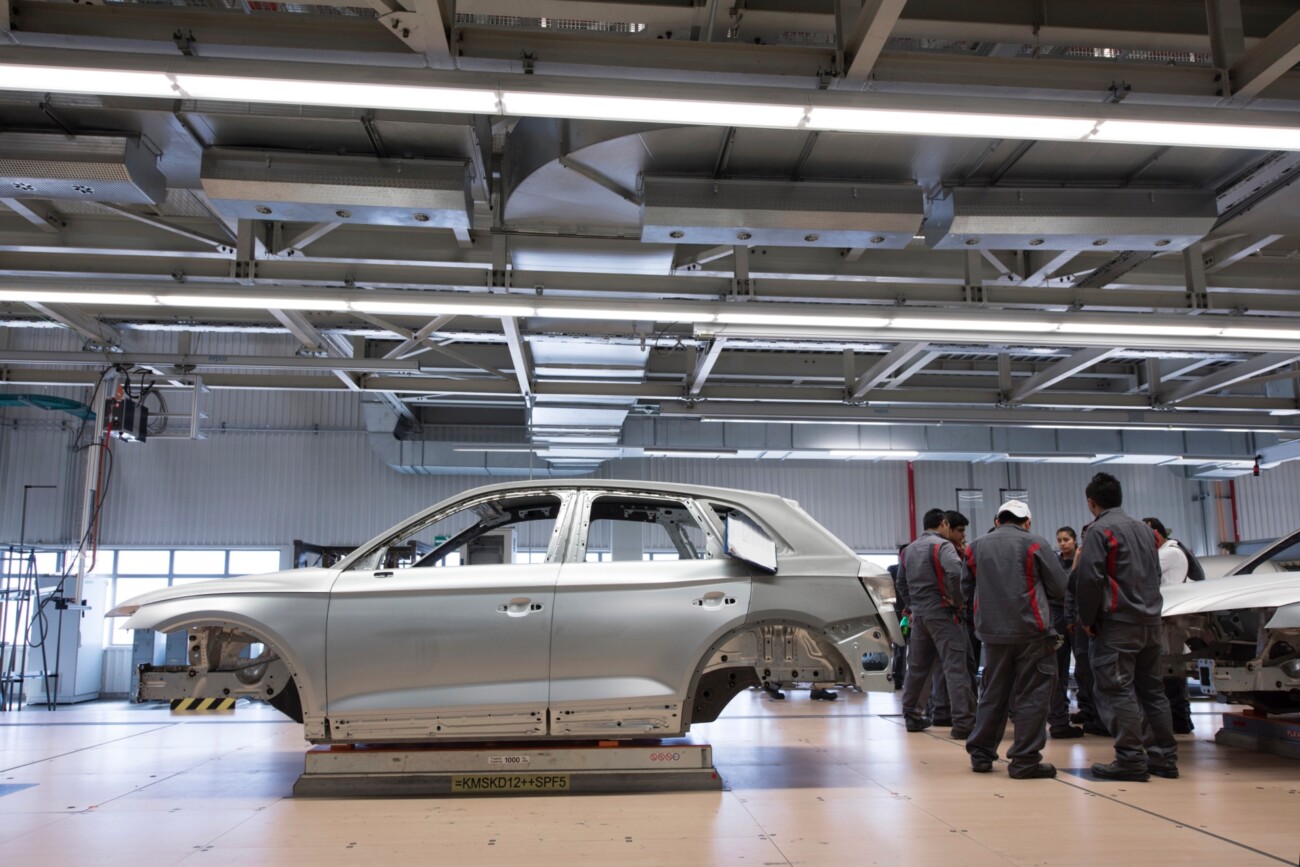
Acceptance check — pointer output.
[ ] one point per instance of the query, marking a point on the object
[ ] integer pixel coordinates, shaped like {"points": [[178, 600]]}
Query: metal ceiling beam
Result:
{"points": [[518, 356], [998, 417], [298, 325], [1232, 251], [422, 25], [920, 363], [307, 237], [1063, 369], [51, 222], [404, 349], [864, 32], [704, 366], [710, 254], [1047, 266], [1114, 269], [885, 367], [164, 225], [91, 329], [1268, 61], [1229, 376], [406, 334]]}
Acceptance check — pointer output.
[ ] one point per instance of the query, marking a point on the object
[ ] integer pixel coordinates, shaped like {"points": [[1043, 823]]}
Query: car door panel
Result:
{"points": [[440, 639], [637, 630]]}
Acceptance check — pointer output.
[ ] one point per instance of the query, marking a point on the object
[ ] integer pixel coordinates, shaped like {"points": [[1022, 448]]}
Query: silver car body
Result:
{"points": [[1240, 633], [562, 647]]}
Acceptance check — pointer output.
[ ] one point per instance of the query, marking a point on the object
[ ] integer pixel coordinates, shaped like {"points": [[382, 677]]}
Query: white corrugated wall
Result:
{"points": [[1267, 504], [270, 487]]}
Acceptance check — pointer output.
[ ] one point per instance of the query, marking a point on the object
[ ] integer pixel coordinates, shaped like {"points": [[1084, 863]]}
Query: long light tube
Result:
{"points": [[171, 79], [777, 320]]}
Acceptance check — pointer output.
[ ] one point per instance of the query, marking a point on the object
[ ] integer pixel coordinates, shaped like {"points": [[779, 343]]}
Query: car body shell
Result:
{"points": [[1240, 633], [560, 648]]}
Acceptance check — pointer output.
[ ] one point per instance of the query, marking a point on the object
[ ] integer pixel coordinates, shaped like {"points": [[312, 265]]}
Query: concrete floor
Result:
{"points": [[808, 783]]}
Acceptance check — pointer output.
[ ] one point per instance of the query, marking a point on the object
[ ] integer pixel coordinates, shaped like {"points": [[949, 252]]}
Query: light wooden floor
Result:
{"points": [[809, 783]]}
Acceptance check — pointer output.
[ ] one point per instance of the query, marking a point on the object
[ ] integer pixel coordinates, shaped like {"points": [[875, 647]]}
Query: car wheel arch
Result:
{"points": [[715, 668], [309, 697]]}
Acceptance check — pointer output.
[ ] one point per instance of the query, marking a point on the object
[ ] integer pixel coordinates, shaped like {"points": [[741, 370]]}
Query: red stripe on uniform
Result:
{"points": [[970, 563], [1112, 566], [938, 571], [1029, 585]]}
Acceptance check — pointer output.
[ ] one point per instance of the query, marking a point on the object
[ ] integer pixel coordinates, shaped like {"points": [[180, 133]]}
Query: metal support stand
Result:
{"points": [[508, 769]]}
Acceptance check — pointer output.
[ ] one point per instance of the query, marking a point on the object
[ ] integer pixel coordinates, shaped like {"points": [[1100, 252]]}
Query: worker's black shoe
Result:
{"points": [[1079, 717], [1096, 728], [981, 766], [916, 723], [1040, 771], [1061, 732], [1169, 772], [1116, 771], [1183, 727], [942, 722], [773, 693], [824, 695], [959, 734]]}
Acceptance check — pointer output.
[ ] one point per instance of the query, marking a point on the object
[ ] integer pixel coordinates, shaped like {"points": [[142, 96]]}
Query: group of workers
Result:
{"points": [[1024, 607]]}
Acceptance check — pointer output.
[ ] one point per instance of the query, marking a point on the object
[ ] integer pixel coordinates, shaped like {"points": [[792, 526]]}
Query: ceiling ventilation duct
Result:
{"points": [[90, 168], [781, 214], [321, 188], [980, 218]]}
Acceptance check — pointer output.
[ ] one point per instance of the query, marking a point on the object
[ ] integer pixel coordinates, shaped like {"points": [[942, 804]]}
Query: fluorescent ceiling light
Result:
{"points": [[685, 111], [495, 449], [950, 123], [1243, 135], [236, 302], [437, 308], [629, 313], [1153, 329], [900, 454], [57, 79], [124, 298], [972, 324], [690, 453], [393, 96], [1264, 333], [795, 111], [1051, 458], [781, 318]]}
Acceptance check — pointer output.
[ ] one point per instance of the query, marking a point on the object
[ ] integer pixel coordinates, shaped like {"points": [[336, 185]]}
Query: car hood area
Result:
{"points": [[1279, 590], [289, 581]]}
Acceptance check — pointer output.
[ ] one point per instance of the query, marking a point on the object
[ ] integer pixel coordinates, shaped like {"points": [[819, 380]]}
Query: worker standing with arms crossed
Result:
{"points": [[1015, 579], [1119, 602], [932, 570]]}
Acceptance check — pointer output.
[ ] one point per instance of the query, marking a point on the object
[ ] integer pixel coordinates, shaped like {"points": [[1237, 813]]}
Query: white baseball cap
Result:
{"points": [[1019, 508]]}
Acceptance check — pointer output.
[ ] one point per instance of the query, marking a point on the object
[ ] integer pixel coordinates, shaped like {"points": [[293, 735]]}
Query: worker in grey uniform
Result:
{"points": [[932, 569], [1015, 582], [1119, 602]]}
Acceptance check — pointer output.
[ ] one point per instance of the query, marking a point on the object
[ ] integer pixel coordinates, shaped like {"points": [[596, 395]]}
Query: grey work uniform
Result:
{"points": [[1015, 581], [932, 570], [1118, 595]]}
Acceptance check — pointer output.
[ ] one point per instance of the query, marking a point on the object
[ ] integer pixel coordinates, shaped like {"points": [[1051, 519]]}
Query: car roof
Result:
{"points": [[734, 494]]}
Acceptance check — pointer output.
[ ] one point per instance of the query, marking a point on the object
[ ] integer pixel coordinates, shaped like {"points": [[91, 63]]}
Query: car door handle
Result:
{"points": [[383, 574], [520, 606], [713, 600]]}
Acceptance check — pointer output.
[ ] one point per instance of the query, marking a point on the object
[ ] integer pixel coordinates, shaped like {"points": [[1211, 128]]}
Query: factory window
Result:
{"points": [[133, 571]]}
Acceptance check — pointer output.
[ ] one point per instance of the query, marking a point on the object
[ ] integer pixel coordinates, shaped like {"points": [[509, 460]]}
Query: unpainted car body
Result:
{"points": [[561, 647], [1239, 634]]}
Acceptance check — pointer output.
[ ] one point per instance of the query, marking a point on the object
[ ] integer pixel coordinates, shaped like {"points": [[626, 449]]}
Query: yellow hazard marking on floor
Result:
{"points": [[203, 704]]}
